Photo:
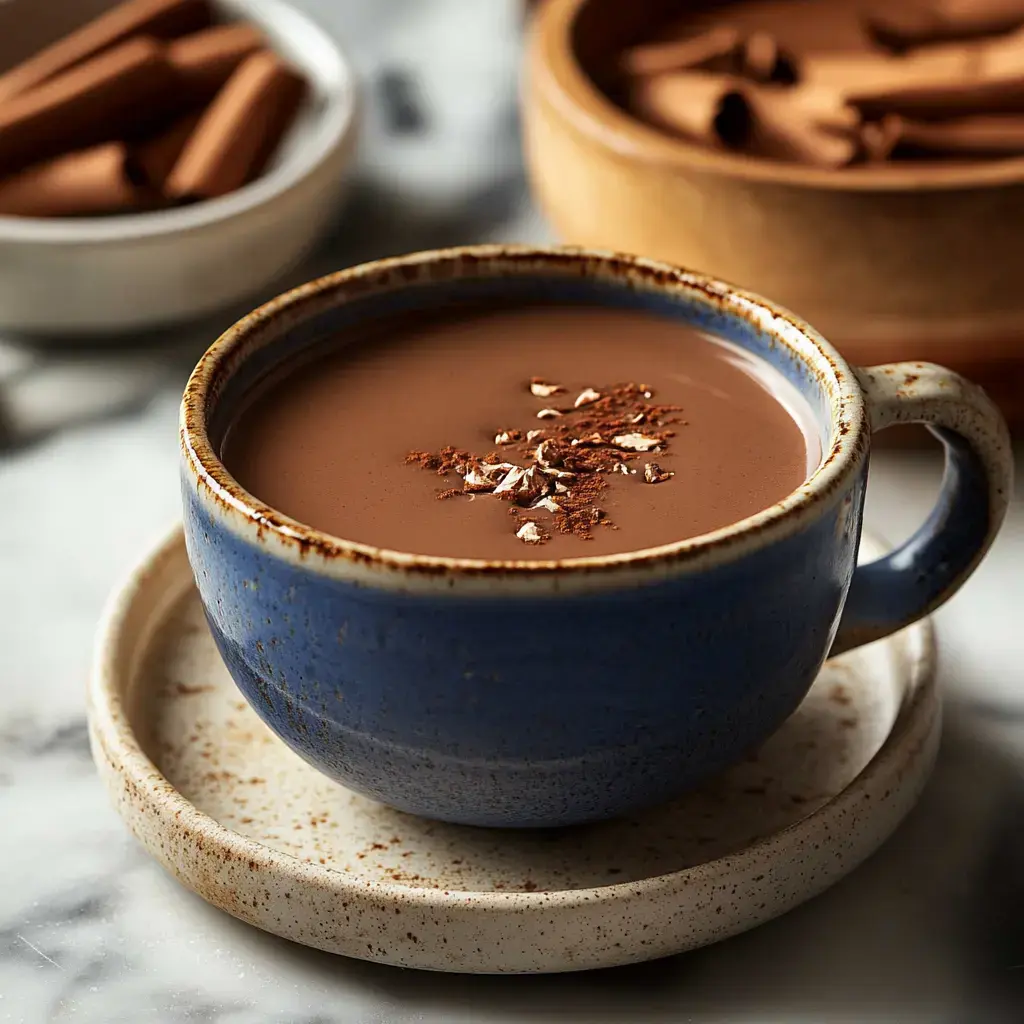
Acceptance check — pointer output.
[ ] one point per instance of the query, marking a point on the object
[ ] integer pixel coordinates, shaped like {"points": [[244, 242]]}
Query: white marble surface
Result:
{"points": [[930, 930]]}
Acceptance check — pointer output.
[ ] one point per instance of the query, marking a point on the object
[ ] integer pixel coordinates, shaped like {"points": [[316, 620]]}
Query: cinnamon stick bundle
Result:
{"points": [[961, 95], [806, 125], [102, 99], [159, 19]]}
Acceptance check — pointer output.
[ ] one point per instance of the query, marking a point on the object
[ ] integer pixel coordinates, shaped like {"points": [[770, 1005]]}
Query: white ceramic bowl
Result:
{"points": [[93, 275]]}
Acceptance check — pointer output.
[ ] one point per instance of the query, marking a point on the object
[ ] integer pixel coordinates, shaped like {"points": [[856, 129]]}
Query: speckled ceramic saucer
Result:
{"points": [[238, 818]]}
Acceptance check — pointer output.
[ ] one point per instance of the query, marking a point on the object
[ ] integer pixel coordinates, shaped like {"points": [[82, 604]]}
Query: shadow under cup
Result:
{"points": [[502, 695]]}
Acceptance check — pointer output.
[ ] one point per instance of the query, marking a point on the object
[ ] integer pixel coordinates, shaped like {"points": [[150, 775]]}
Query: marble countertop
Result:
{"points": [[931, 929]]}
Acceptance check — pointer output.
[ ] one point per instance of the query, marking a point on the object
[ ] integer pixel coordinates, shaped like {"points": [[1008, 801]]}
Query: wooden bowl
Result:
{"points": [[889, 262]]}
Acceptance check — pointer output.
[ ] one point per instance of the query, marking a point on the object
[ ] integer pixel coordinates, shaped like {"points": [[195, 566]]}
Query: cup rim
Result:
{"points": [[254, 522], [560, 78]]}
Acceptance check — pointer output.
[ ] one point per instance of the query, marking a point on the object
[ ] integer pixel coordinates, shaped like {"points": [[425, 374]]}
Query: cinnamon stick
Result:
{"points": [[901, 26], [239, 131], [103, 99], [722, 49], [205, 60], [997, 135], [940, 101], [719, 44], [162, 19], [1001, 56], [763, 60], [875, 72], [89, 182], [822, 107], [696, 105], [801, 125], [878, 139]]}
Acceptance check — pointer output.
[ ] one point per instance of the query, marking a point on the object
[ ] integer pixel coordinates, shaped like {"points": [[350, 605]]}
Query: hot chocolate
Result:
{"points": [[533, 433]]}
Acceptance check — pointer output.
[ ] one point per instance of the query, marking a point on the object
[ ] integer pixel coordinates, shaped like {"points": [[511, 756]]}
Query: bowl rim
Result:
{"points": [[336, 119], [560, 79], [255, 523]]}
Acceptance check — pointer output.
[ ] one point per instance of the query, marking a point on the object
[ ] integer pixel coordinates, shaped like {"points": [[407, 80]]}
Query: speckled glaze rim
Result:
{"points": [[259, 524], [192, 845], [570, 89]]}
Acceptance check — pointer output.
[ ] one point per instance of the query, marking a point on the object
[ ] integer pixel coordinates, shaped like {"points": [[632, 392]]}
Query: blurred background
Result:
{"points": [[929, 930]]}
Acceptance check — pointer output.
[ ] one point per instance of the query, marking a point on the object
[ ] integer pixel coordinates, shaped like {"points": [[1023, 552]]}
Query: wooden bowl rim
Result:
{"points": [[561, 79]]}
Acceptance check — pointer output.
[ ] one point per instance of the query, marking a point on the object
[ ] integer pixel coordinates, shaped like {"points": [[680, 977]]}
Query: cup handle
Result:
{"points": [[977, 482]]}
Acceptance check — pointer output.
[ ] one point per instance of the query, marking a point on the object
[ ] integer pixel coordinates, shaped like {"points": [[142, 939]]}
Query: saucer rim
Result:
{"points": [[194, 847]]}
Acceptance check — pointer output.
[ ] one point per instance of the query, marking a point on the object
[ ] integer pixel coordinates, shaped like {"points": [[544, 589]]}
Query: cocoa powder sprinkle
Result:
{"points": [[559, 484]]}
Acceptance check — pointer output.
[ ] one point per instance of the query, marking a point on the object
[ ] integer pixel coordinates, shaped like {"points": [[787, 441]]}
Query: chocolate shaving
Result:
{"points": [[654, 474], [484, 476], [568, 472], [447, 460], [523, 486]]}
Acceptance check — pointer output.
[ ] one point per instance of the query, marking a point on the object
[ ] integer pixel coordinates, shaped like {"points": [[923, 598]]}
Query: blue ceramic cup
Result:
{"points": [[566, 691]]}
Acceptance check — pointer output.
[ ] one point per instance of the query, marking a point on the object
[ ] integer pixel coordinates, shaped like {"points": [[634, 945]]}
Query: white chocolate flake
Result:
{"points": [[586, 397], [544, 456], [549, 504], [486, 475], [529, 533], [636, 442], [654, 474], [524, 485]]}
